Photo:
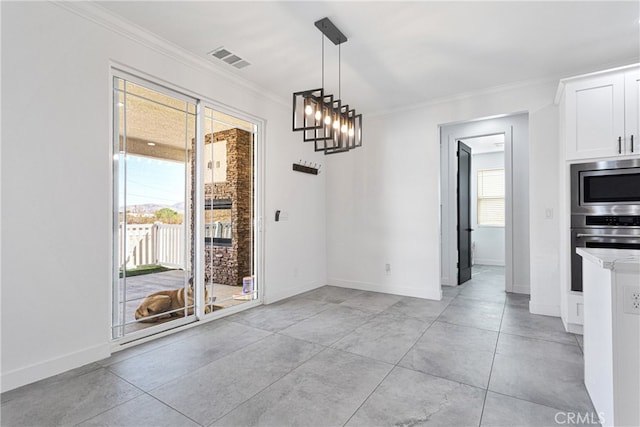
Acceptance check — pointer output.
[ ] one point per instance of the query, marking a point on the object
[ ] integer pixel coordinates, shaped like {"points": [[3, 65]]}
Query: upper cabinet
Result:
{"points": [[601, 115], [632, 109]]}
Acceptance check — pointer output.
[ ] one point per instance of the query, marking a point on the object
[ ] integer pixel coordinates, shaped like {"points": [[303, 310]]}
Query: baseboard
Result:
{"points": [[520, 289], [274, 296], [573, 328], [434, 294], [39, 371], [447, 282], [544, 309], [483, 261]]}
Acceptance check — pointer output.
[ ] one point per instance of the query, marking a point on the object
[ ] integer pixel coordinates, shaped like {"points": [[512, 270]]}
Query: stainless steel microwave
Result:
{"points": [[606, 188]]}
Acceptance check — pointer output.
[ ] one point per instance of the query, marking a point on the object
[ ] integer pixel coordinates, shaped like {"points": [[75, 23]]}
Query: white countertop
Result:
{"points": [[610, 258]]}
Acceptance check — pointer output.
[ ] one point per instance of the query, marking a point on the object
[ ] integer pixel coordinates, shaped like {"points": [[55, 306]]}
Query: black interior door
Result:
{"points": [[464, 213]]}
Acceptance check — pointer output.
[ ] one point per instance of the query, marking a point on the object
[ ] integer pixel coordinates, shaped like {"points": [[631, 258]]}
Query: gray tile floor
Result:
{"points": [[334, 357]]}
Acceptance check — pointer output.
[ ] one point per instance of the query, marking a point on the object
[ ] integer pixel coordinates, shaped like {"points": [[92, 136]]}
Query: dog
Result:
{"points": [[164, 301]]}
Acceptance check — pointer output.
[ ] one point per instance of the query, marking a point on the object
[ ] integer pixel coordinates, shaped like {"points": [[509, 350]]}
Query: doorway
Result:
{"points": [[464, 199], [498, 231], [184, 196], [485, 251]]}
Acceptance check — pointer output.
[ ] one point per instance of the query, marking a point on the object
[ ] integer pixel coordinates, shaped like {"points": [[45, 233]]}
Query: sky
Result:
{"points": [[154, 181]]}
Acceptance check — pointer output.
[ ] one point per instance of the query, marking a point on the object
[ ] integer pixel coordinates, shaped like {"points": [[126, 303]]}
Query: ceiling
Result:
{"points": [[486, 144], [399, 54]]}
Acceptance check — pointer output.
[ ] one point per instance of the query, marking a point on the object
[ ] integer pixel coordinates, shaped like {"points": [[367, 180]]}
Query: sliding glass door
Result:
{"points": [[184, 217], [229, 209], [154, 139]]}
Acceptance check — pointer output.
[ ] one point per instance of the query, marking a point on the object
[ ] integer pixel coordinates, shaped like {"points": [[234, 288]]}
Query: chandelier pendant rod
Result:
{"points": [[339, 71], [322, 86]]}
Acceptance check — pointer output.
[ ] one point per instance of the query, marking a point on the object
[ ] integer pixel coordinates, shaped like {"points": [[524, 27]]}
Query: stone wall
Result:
{"points": [[228, 265]]}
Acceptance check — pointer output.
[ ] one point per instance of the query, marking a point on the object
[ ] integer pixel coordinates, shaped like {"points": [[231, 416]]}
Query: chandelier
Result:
{"points": [[323, 119]]}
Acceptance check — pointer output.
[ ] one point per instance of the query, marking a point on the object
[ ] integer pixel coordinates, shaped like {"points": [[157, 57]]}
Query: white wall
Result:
{"points": [[383, 199], [489, 241], [56, 183], [544, 209]]}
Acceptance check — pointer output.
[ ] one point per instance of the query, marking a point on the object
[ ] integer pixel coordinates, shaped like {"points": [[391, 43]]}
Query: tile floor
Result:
{"points": [[334, 357]]}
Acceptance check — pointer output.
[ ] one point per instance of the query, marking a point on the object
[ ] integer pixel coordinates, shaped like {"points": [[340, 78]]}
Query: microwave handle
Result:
{"points": [[626, 236]]}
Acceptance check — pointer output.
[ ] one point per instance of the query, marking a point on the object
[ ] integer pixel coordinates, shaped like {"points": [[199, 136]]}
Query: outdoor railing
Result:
{"points": [[160, 244]]}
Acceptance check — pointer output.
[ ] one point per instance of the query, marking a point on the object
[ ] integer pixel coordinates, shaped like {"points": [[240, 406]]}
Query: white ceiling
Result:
{"points": [[399, 53], [486, 144]]}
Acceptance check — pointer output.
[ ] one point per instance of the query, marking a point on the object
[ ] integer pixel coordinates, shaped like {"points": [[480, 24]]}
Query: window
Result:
{"points": [[491, 197]]}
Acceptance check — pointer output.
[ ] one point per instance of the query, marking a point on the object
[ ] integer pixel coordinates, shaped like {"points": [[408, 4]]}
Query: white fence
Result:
{"points": [[170, 248], [152, 244], [160, 244]]}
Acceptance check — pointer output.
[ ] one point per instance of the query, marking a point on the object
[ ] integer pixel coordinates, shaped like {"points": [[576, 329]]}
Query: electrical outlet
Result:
{"points": [[387, 268], [631, 300]]}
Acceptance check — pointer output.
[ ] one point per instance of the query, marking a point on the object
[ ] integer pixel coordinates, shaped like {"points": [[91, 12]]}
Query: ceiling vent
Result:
{"points": [[229, 57]]}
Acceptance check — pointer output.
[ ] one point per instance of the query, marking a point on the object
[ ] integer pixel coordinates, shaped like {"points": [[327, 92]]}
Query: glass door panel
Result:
{"points": [[154, 140], [229, 210]]}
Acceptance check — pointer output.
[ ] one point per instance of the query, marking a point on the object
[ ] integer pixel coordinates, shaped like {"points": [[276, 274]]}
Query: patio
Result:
{"points": [[138, 287]]}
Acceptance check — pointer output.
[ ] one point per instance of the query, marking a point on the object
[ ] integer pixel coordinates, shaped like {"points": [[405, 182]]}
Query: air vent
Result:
{"points": [[232, 59], [229, 57]]}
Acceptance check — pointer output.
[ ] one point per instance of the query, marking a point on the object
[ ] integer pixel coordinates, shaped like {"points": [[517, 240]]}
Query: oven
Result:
{"points": [[605, 209], [618, 237]]}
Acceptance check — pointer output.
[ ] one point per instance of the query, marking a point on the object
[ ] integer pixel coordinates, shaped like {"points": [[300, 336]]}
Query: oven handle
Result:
{"points": [[626, 236]]}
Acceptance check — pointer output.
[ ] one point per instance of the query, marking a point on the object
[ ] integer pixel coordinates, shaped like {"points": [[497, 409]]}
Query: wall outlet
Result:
{"points": [[387, 268], [631, 300]]}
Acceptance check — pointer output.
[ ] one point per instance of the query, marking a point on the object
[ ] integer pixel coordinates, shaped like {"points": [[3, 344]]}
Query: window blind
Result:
{"points": [[491, 197]]}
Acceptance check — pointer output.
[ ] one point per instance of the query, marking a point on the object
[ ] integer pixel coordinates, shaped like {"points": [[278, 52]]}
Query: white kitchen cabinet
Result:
{"points": [[601, 115], [632, 109]]}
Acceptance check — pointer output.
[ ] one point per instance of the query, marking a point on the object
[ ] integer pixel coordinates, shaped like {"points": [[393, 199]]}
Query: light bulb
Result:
{"points": [[336, 124], [327, 120], [344, 129], [318, 115], [308, 110], [350, 131]]}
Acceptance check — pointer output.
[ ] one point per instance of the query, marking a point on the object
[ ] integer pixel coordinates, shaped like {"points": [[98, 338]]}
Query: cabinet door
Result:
{"points": [[595, 117], [632, 111]]}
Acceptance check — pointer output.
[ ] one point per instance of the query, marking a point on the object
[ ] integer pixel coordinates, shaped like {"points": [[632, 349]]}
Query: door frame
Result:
{"points": [[117, 69], [449, 135]]}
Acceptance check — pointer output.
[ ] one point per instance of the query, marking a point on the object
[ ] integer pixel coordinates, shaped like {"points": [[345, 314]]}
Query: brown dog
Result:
{"points": [[164, 301]]}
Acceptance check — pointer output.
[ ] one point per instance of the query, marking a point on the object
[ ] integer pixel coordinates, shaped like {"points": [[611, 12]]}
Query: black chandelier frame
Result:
{"points": [[324, 120]]}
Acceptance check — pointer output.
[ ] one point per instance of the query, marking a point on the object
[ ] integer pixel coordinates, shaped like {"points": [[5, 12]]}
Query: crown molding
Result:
{"points": [[564, 81], [466, 95], [554, 79], [101, 16]]}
